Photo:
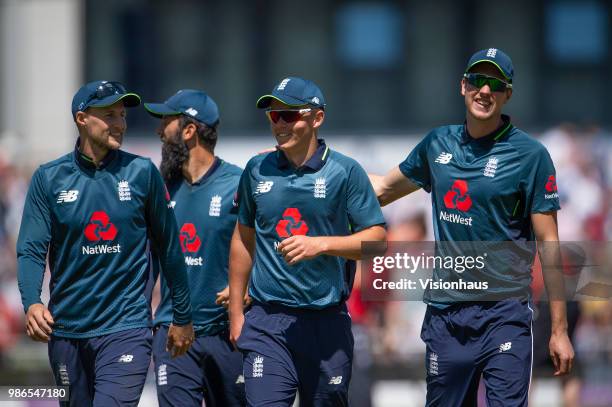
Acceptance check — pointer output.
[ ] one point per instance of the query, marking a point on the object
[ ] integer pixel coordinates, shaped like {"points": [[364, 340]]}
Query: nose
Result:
{"points": [[160, 130], [485, 89]]}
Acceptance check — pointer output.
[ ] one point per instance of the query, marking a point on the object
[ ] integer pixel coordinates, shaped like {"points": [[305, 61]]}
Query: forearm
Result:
{"points": [[552, 272], [350, 246], [240, 263], [29, 278], [392, 186]]}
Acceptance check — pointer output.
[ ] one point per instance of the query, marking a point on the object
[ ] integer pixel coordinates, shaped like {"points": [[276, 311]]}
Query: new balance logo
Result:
{"points": [[504, 347], [258, 366], [215, 206], [335, 380], [126, 358], [191, 111], [67, 196], [491, 52], [444, 158], [433, 364], [315, 100], [240, 379], [263, 187], [283, 83]]}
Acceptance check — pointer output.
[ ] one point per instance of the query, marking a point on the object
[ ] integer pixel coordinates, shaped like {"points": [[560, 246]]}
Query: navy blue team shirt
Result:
{"points": [[330, 195], [486, 190], [95, 225], [206, 213]]}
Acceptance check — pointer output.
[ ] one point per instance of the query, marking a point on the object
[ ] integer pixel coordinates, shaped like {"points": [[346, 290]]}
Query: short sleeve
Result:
{"points": [[540, 183], [244, 199], [363, 207], [416, 166]]}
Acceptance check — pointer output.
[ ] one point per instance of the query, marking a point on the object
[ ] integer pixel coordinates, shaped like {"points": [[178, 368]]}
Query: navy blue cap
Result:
{"points": [[190, 102], [102, 94], [496, 57], [294, 91]]}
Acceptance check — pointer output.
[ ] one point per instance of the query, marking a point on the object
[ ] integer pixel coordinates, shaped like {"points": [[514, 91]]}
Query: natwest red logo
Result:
{"points": [[100, 228], [457, 197], [551, 184], [190, 241], [291, 224]]}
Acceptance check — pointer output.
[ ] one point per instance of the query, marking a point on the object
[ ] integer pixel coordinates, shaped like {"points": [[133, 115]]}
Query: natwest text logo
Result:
{"points": [[291, 224]]}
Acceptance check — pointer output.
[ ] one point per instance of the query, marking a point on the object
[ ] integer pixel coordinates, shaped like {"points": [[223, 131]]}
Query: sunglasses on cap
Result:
{"points": [[288, 115], [479, 80], [107, 89]]}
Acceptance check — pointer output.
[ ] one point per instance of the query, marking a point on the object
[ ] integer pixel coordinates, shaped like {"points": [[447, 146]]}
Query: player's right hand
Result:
{"points": [[38, 323], [236, 323]]}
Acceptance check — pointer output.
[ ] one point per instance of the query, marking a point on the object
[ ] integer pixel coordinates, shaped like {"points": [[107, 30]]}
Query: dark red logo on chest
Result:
{"points": [[457, 197], [190, 241], [291, 224], [100, 227]]}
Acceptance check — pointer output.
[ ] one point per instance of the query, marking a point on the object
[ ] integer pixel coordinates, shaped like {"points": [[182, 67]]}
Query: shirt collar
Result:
{"points": [[86, 161], [213, 168], [494, 136], [315, 163]]}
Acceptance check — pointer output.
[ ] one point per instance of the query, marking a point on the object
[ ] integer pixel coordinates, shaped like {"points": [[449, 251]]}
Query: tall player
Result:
{"points": [[303, 212], [489, 181], [202, 189], [92, 212]]}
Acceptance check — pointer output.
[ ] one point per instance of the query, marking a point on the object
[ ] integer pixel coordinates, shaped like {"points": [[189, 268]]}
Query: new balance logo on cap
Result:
{"points": [[67, 196], [191, 111], [492, 52]]}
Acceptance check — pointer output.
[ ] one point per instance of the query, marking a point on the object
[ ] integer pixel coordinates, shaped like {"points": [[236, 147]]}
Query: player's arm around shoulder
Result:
{"points": [[392, 186]]}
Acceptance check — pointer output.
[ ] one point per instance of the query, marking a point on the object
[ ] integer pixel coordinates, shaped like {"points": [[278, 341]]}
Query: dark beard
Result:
{"points": [[173, 157]]}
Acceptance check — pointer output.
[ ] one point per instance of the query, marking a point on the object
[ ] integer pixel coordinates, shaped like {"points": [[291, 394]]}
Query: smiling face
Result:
{"points": [[296, 136], [483, 104], [104, 126]]}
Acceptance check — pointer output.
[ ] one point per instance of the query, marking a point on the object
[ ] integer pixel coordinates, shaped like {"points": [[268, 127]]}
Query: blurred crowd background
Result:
{"points": [[390, 70]]}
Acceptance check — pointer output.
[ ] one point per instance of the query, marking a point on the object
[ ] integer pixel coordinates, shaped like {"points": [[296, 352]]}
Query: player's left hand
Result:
{"points": [[297, 248], [223, 298], [561, 353], [180, 338]]}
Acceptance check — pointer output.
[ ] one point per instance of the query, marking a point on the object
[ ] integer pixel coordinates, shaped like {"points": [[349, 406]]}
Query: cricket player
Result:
{"points": [[202, 189], [304, 210], [93, 212], [489, 181]]}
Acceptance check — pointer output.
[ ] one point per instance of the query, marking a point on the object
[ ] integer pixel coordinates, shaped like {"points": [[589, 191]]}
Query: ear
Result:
{"points": [[189, 132], [80, 118], [508, 94], [463, 82], [319, 118]]}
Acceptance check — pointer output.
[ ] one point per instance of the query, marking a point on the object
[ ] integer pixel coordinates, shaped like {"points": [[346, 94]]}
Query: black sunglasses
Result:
{"points": [[479, 80]]}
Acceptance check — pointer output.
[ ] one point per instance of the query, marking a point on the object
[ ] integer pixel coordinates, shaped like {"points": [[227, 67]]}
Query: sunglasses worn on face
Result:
{"points": [[288, 115], [479, 80]]}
